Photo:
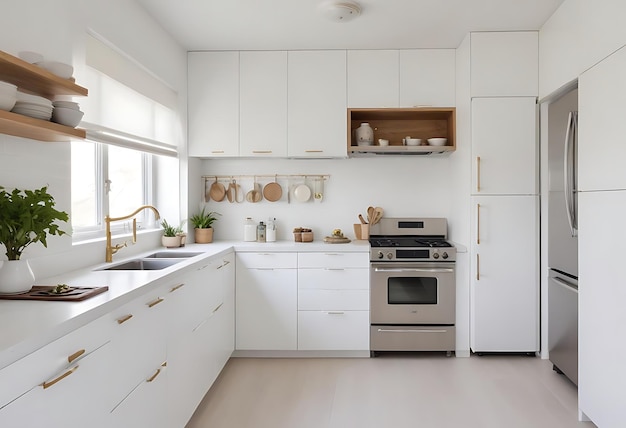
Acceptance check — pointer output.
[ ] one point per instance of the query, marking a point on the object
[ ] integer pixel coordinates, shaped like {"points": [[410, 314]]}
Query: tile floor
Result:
{"points": [[392, 390]]}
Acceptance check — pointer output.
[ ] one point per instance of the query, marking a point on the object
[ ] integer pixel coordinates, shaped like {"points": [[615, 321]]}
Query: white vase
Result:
{"points": [[364, 135], [16, 277]]}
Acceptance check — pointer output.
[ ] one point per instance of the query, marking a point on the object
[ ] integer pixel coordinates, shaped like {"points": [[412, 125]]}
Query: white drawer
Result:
{"points": [[268, 260], [338, 331], [332, 259], [334, 279], [326, 300], [48, 362]]}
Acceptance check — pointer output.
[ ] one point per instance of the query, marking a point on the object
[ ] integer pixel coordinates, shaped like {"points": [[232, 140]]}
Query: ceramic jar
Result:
{"points": [[364, 135]]}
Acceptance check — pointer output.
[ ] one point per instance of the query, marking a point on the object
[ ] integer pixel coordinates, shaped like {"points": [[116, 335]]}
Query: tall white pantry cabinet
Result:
{"points": [[504, 280], [601, 214]]}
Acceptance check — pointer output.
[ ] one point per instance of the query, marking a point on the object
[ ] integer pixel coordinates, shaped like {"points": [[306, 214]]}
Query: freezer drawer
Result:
{"points": [[412, 338], [563, 325]]}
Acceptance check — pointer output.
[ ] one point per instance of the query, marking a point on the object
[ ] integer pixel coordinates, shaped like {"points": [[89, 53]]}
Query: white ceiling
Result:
{"points": [[299, 24]]}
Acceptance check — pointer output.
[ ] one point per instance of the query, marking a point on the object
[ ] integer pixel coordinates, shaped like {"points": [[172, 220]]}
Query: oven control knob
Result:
{"points": [[380, 255], [389, 256], [444, 255], [435, 255]]}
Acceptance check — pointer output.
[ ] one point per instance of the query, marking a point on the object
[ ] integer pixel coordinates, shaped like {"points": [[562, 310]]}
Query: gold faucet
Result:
{"points": [[110, 250]]}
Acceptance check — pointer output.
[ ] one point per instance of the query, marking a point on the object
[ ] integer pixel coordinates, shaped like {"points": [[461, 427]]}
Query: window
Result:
{"points": [[133, 133]]}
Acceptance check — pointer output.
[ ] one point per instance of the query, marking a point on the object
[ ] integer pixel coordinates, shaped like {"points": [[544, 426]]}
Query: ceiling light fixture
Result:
{"points": [[341, 11]]}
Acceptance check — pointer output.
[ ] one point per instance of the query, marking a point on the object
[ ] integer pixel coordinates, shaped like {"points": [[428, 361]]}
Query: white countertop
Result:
{"points": [[28, 325]]}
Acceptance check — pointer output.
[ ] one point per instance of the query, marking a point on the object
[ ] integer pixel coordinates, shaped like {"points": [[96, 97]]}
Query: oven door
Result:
{"points": [[412, 293]]}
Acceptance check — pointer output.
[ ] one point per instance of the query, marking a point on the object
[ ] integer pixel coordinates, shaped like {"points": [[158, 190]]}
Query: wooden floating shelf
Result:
{"points": [[31, 78], [27, 127], [401, 149]]}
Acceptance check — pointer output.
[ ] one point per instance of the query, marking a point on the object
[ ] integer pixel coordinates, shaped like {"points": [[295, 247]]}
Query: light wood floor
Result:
{"points": [[393, 390]]}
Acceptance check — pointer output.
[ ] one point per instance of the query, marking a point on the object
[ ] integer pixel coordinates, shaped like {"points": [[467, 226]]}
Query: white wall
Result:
{"points": [[56, 30]]}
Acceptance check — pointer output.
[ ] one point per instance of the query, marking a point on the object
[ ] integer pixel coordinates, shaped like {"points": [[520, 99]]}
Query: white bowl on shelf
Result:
{"points": [[437, 141], [60, 69], [8, 95], [67, 116], [413, 141], [31, 57], [66, 104]]}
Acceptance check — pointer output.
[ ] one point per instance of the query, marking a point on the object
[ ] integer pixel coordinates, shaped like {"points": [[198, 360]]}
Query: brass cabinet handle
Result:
{"points": [[156, 302], [217, 151], [204, 267], [478, 223], [154, 376], [47, 385], [226, 262], [261, 152], [75, 355], [314, 151], [477, 173], [124, 319], [335, 313], [218, 308], [477, 267], [176, 287]]}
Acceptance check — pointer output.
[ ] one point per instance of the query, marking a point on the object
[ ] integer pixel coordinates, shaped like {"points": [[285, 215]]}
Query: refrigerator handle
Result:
{"points": [[568, 172]]}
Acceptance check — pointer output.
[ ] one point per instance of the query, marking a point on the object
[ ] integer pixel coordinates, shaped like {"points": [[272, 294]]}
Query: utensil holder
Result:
{"points": [[362, 231], [307, 236]]}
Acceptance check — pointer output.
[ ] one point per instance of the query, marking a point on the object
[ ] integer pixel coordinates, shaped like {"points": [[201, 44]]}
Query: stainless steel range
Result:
{"points": [[412, 286]]}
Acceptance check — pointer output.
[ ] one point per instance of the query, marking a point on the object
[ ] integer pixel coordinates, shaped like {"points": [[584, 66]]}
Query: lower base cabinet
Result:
{"points": [[333, 330]]}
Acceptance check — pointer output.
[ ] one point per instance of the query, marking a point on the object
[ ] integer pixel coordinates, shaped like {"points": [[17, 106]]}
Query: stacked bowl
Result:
{"points": [[8, 95], [67, 113], [33, 106]]}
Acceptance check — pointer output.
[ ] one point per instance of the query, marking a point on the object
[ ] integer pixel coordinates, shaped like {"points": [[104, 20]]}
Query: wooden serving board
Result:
{"points": [[42, 292], [336, 240]]}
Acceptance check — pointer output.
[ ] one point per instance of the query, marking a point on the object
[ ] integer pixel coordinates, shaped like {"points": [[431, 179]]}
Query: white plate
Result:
{"points": [[302, 193]]}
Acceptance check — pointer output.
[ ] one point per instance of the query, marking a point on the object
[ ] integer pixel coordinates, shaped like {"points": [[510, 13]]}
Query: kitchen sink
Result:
{"points": [[171, 255], [144, 264]]}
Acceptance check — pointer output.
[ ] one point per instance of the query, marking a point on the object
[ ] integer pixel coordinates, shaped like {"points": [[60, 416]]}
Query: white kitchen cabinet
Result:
{"points": [[427, 77], [601, 29], [602, 108], [198, 350], [263, 103], [373, 78], [504, 146], [601, 375], [316, 104], [504, 281], [72, 371], [504, 63], [333, 301], [266, 299], [213, 100]]}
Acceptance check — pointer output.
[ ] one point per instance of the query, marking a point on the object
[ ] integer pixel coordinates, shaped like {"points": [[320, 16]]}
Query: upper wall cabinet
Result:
{"points": [[263, 104], [427, 78], [373, 80], [316, 100], [36, 80], [602, 108], [213, 99], [504, 64], [602, 29]]}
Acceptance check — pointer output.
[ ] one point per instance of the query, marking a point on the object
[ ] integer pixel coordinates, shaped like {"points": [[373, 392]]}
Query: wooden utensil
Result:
{"points": [[377, 215], [272, 191], [362, 219], [370, 214], [218, 191]]}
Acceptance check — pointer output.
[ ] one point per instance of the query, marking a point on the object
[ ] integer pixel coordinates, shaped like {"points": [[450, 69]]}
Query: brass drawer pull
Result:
{"points": [[477, 267], [478, 223], [124, 319], [156, 302], [47, 385], [314, 151], [261, 152], [154, 376], [75, 355], [218, 308], [477, 173], [176, 287]]}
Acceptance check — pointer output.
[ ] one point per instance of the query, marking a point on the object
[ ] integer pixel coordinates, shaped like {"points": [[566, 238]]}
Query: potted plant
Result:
{"points": [[203, 226], [26, 217], [173, 236]]}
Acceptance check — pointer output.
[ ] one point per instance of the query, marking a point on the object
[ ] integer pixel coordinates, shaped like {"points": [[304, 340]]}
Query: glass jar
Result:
{"points": [[364, 135], [260, 232], [249, 230]]}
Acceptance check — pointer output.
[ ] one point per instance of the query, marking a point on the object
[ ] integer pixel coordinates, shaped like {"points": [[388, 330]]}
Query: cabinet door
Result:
{"points": [[504, 274], [505, 64], [601, 374], [316, 104], [263, 104], [266, 316], [333, 330], [427, 77], [504, 146], [600, 29], [373, 78], [602, 107], [213, 100]]}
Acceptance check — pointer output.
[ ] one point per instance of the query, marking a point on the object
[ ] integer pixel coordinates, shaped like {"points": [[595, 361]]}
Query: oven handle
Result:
{"points": [[426, 270], [384, 330]]}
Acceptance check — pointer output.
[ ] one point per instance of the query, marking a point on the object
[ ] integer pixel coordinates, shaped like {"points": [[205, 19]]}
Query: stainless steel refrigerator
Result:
{"points": [[562, 236]]}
